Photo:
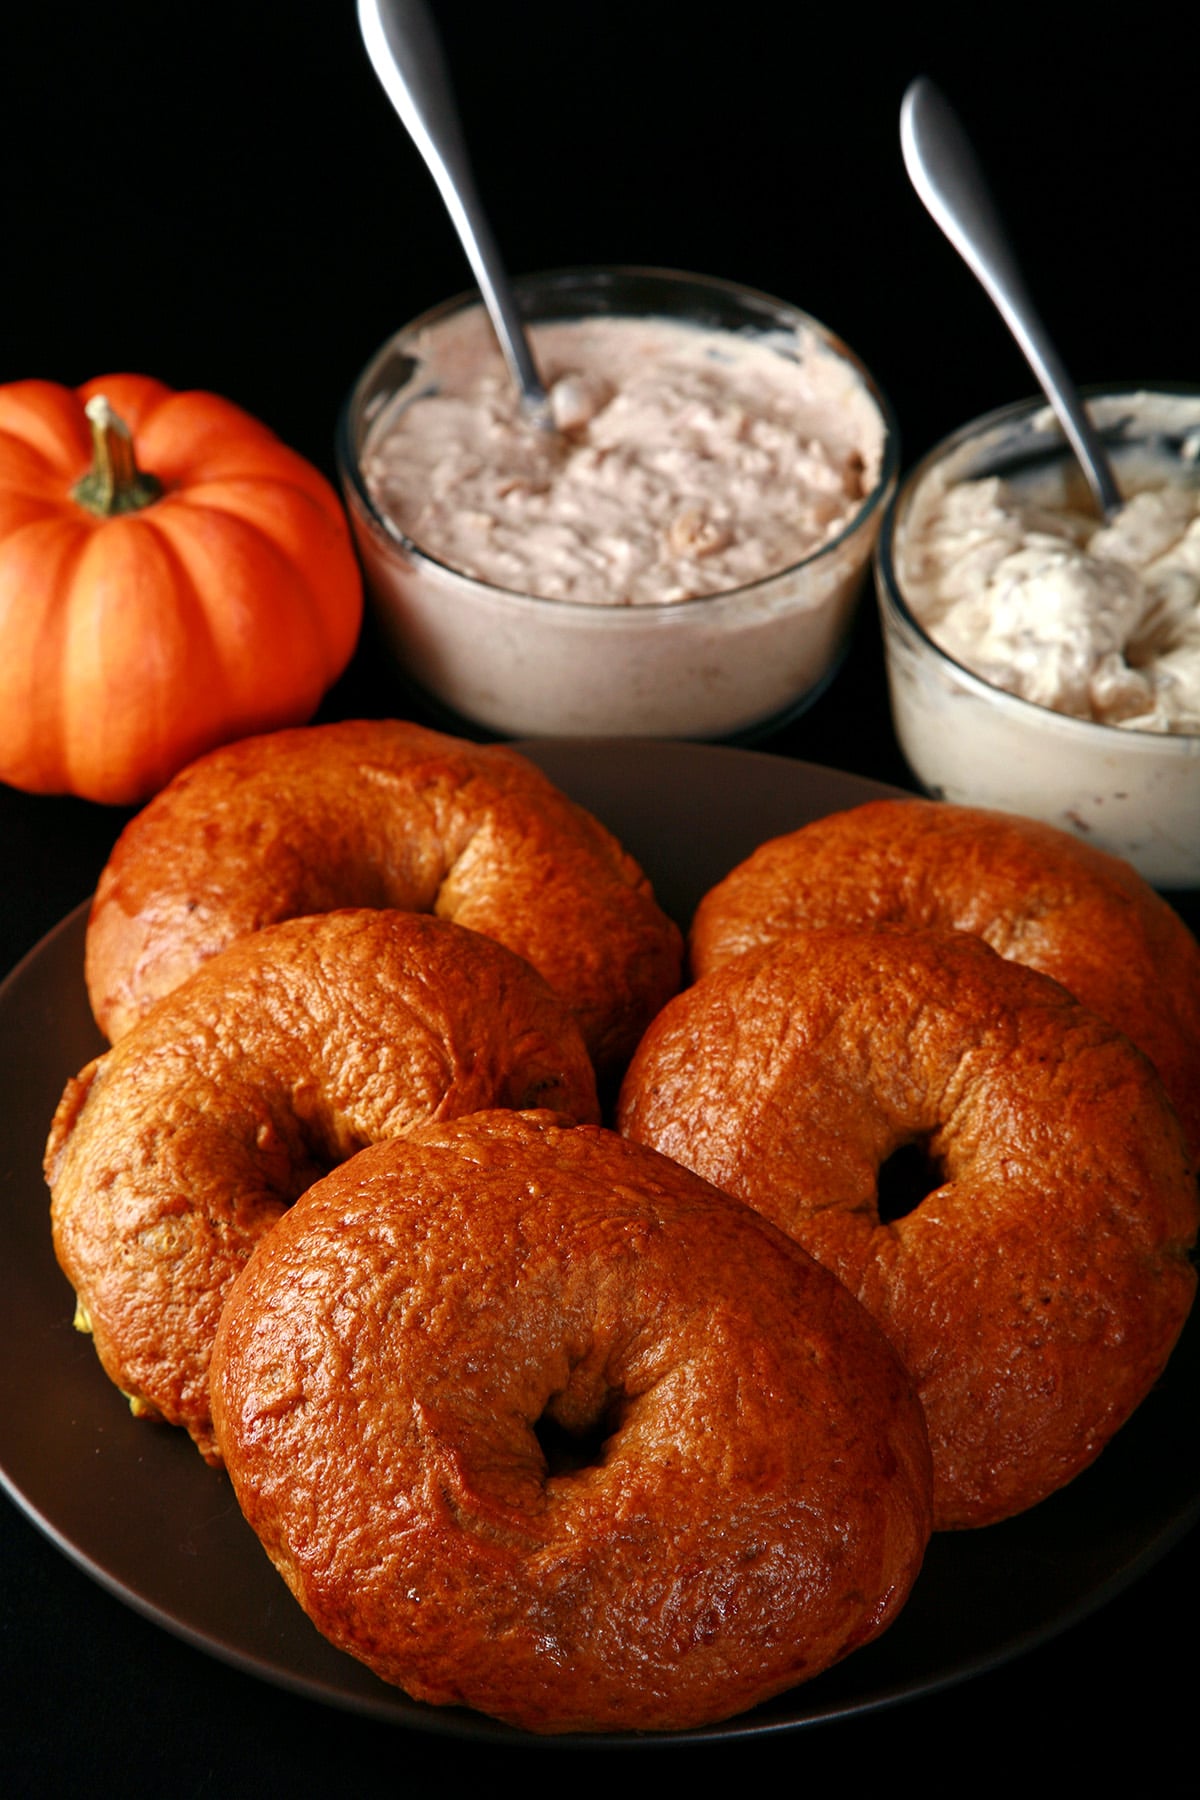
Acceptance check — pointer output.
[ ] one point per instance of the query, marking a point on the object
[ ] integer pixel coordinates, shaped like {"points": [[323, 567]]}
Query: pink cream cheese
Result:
{"points": [[686, 462]]}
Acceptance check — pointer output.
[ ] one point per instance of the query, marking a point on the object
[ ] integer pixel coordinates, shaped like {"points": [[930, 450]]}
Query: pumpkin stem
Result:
{"points": [[114, 483]]}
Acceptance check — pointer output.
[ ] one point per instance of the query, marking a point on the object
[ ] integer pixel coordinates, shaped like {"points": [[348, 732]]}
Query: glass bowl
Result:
{"points": [[1135, 793], [712, 666]]}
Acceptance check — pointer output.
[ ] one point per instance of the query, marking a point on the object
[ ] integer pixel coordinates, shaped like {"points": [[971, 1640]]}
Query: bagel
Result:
{"points": [[379, 813], [172, 1154], [1035, 894], [1035, 1294], [758, 1507]]}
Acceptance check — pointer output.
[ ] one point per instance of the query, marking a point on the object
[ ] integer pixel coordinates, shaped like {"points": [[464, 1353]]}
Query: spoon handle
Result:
{"points": [[407, 57], [943, 168]]}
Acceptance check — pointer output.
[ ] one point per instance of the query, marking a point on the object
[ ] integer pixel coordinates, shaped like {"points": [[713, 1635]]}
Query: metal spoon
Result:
{"points": [[943, 168], [407, 57]]}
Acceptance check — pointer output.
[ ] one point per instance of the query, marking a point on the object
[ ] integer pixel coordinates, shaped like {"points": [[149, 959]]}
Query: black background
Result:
{"points": [[220, 196]]}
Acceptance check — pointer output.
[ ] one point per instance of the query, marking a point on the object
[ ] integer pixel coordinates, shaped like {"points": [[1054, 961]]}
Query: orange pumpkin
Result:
{"points": [[171, 577]]}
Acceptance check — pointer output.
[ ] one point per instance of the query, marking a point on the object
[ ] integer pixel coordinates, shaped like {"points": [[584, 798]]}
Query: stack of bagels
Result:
{"points": [[598, 1429]]}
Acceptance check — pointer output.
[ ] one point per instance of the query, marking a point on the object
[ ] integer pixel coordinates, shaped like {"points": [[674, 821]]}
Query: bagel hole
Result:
{"points": [[909, 1174], [569, 1448]]}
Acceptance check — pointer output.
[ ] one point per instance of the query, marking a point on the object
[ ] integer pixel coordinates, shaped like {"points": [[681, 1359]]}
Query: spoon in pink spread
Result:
{"points": [[407, 57]]}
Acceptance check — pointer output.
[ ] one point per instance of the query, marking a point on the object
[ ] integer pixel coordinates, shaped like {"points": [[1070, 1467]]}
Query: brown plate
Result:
{"points": [[135, 1507]]}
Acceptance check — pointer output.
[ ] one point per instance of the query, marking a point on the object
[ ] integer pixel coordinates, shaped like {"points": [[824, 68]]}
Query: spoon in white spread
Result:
{"points": [[943, 168], [407, 57]]}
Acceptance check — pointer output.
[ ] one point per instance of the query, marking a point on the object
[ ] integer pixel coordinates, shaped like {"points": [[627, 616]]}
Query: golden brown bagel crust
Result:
{"points": [[379, 813], [1035, 894], [761, 1503], [1036, 1295], [171, 1155]]}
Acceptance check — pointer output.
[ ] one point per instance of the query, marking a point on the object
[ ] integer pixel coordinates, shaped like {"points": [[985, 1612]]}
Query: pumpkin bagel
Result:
{"points": [[1035, 1293], [749, 1500], [172, 1154], [384, 814], [1035, 894]]}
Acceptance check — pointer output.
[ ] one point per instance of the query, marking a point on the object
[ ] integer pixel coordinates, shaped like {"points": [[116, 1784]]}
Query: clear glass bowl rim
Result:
{"points": [[785, 314], [888, 586]]}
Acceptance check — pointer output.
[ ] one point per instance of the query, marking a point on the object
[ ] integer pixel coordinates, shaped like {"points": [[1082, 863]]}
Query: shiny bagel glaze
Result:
{"points": [[172, 1154], [385, 814], [754, 1502], [1037, 895], [1035, 1294]]}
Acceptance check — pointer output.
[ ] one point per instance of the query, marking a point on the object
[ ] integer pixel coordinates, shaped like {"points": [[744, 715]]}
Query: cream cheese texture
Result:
{"points": [[686, 462], [1097, 620]]}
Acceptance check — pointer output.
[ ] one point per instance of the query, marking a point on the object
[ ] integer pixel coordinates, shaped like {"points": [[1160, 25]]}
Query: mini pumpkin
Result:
{"points": [[172, 577]]}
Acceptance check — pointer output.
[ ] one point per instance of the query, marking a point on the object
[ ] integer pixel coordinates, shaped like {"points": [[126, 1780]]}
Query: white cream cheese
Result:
{"points": [[687, 462], [1099, 621], [1066, 679]]}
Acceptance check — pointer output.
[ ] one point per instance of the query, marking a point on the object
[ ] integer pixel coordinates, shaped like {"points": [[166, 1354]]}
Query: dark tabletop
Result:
{"points": [[220, 196]]}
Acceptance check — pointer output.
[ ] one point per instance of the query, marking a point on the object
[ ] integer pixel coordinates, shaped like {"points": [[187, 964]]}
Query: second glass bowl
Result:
{"points": [[1132, 792]]}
